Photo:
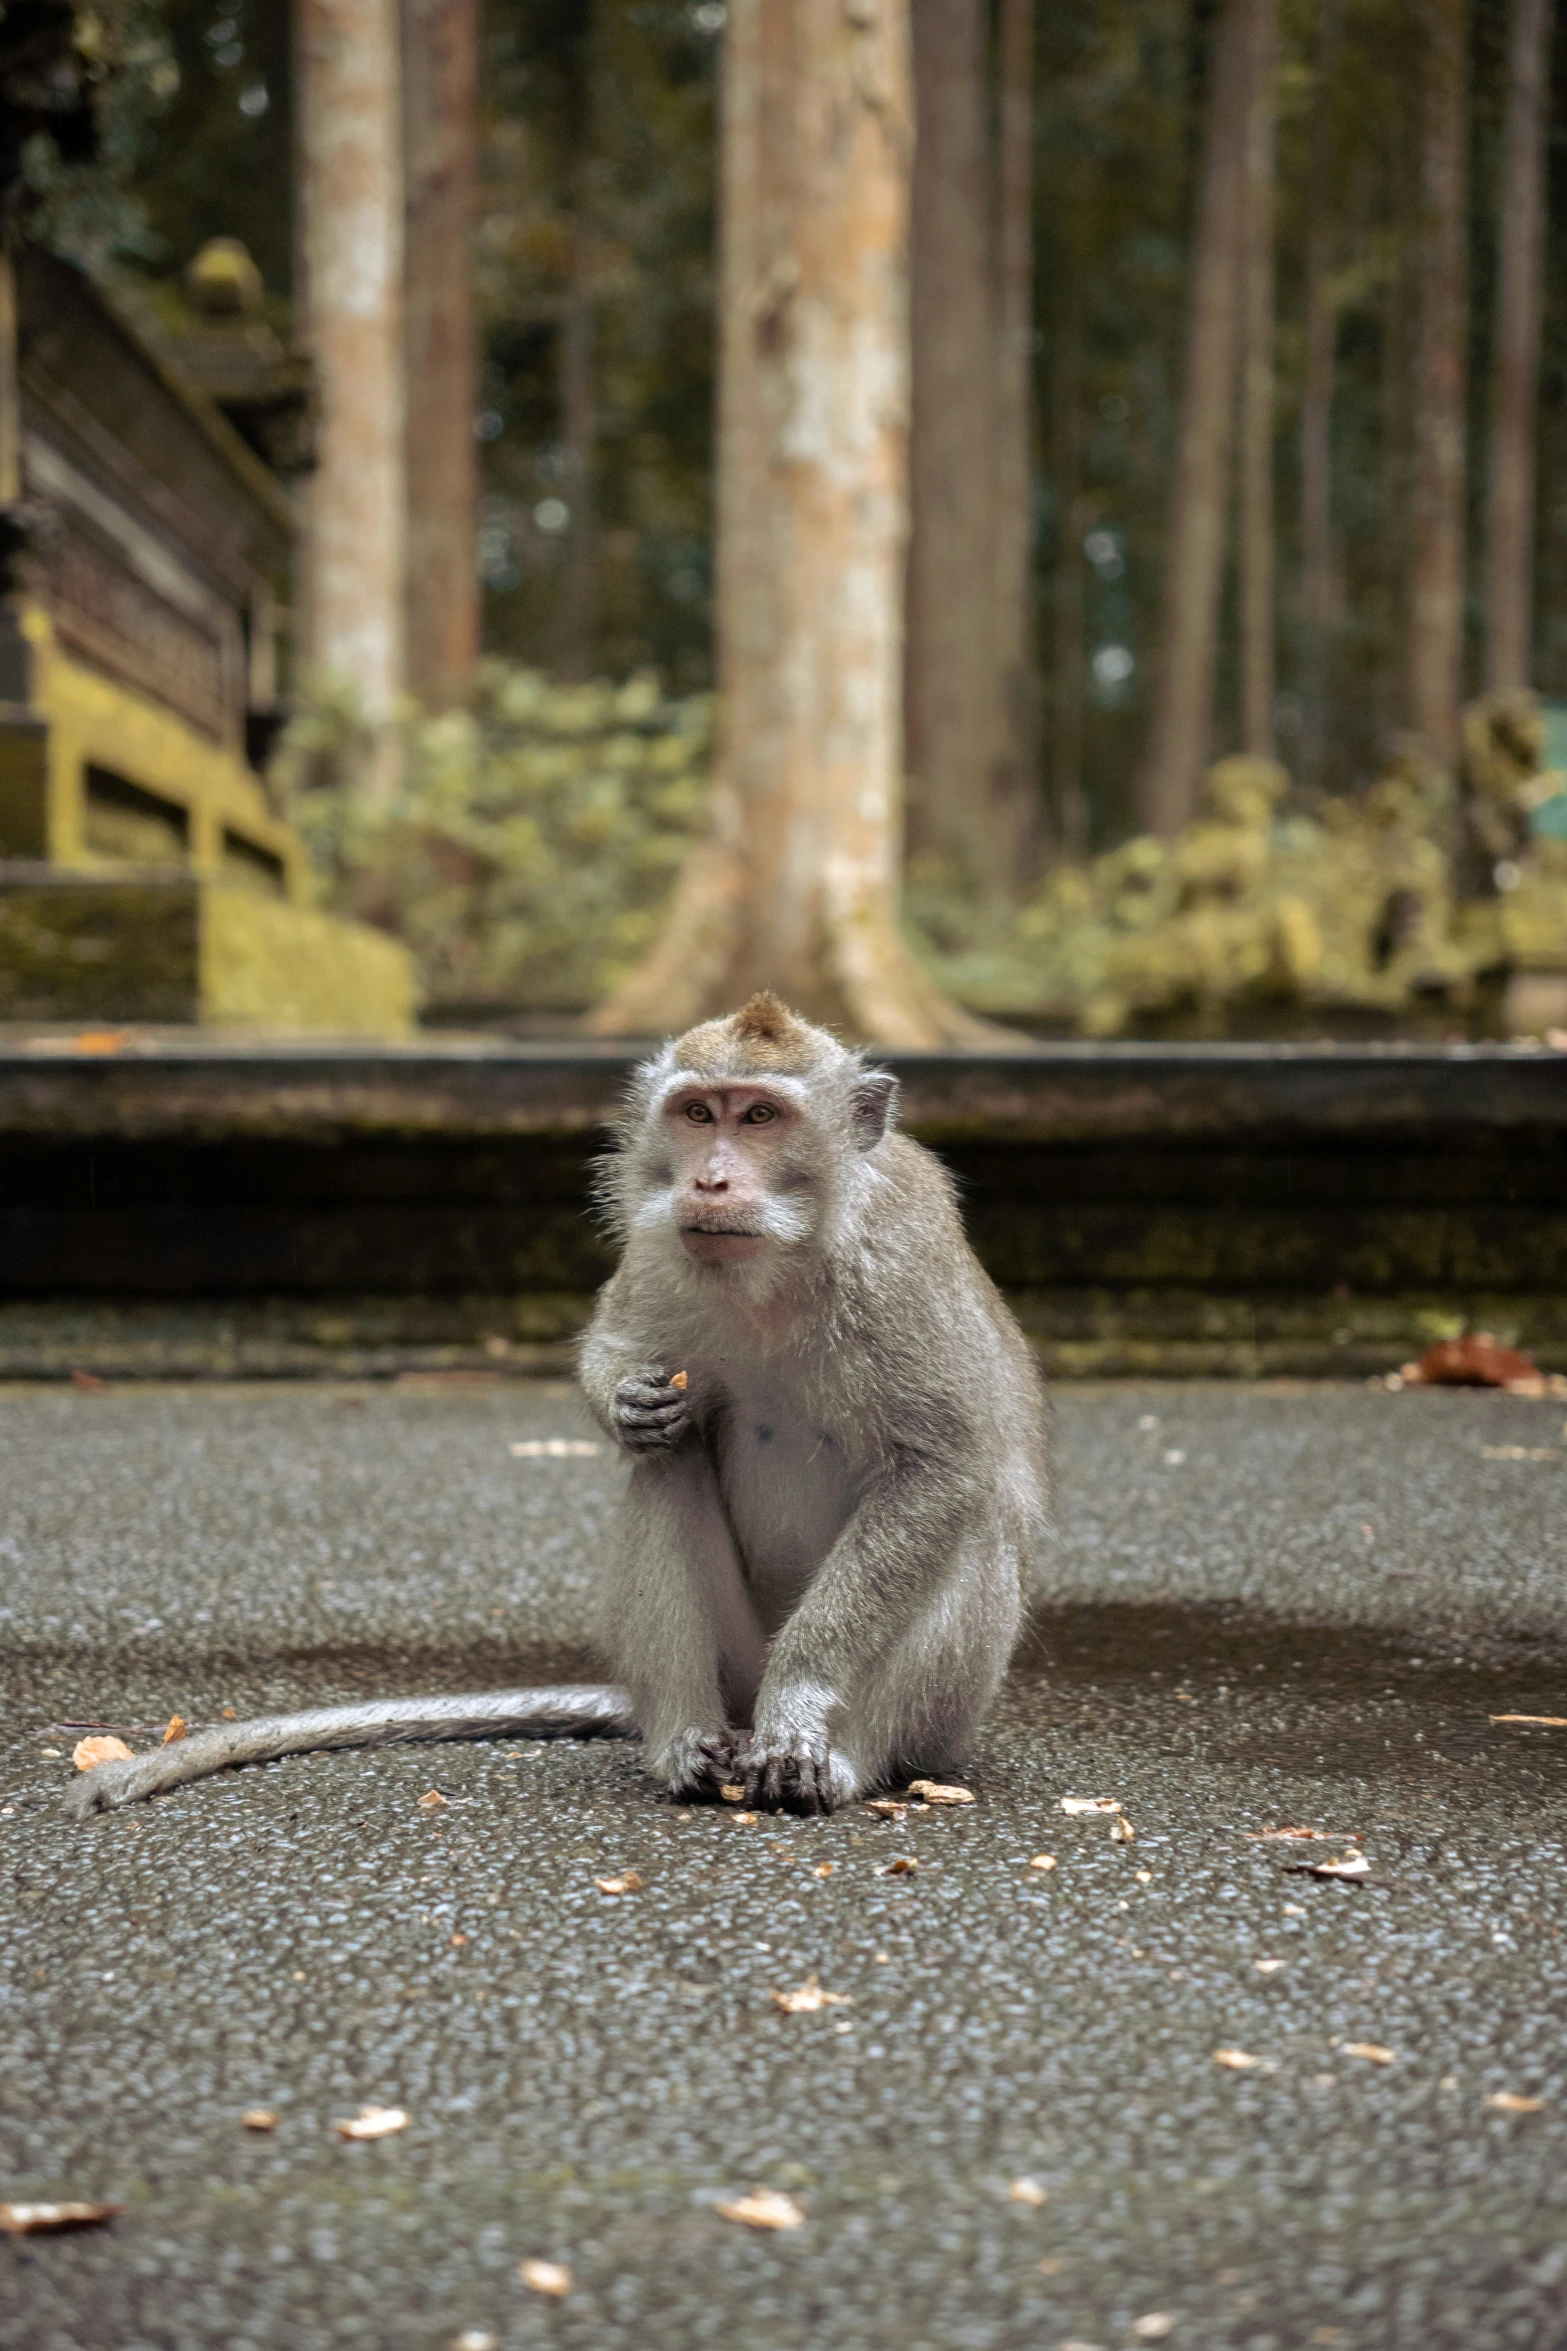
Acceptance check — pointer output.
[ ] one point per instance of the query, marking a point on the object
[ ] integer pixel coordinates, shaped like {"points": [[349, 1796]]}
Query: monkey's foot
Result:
{"points": [[699, 1763], [797, 1775]]}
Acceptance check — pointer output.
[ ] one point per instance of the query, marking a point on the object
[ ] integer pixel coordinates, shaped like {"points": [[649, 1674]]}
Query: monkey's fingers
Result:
{"points": [[797, 1778]]}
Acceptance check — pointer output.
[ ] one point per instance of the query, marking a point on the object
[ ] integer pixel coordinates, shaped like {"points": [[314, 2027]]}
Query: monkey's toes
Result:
{"points": [[796, 1778], [700, 1763]]}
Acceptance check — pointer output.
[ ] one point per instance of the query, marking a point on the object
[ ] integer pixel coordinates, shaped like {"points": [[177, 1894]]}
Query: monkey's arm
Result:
{"points": [[593, 1711], [628, 1391]]}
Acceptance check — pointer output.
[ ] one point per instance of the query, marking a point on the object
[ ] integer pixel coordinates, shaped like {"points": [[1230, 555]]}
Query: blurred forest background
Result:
{"points": [[542, 811]]}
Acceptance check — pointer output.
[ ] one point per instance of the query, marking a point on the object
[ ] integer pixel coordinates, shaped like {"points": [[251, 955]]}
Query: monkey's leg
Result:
{"points": [[586, 1713], [679, 1624]]}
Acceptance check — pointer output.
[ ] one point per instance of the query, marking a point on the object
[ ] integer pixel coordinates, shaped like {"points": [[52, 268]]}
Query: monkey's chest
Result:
{"points": [[789, 1490]]}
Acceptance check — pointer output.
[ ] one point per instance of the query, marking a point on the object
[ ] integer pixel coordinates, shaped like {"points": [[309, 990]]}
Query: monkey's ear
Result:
{"points": [[872, 1105]]}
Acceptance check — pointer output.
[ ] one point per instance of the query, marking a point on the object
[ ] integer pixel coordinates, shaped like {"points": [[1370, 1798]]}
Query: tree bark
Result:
{"points": [[1069, 668], [1014, 795], [352, 248], [1316, 414], [440, 340], [1509, 554], [578, 407], [1194, 556], [1436, 608], [951, 666], [1256, 451], [797, 887]]}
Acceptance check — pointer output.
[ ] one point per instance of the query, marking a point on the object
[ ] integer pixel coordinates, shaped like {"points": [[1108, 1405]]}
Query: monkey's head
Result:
{"points": [[743, 1137]]}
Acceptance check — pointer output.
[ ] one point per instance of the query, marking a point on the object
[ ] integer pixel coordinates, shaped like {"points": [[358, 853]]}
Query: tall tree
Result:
{"points": [[951, 667], [1014, 798], [1068, 645], [1436, 601], [1194, 550], [1316, 407], [1256, 431], [1509, 553], [440, 100], [349, 284], [797, 886], [577, 398]]}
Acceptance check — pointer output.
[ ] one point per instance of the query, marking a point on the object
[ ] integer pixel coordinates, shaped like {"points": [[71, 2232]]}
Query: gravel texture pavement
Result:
{"points": [[1271, 1607]]}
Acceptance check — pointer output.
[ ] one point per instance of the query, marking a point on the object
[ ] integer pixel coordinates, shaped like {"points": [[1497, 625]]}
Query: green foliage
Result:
{"points": [[529, 853]]}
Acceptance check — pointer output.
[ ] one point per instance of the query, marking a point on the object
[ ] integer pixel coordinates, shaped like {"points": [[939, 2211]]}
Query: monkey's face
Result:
{"points": [[741, 1171]]}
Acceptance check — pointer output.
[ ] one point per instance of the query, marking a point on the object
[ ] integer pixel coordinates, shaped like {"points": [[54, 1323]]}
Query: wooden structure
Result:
{"points": [[144, 872]]}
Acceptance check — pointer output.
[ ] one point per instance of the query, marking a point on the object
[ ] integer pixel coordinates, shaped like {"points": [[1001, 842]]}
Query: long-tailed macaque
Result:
{"points": [[836, 1440]]}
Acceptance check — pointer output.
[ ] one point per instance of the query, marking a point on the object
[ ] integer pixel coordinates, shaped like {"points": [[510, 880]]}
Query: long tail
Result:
{"points": [[593, 1711]]}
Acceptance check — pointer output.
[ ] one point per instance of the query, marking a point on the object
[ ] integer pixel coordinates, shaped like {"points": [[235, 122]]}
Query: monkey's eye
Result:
{"points": [[699, 1114], [760, 1114]]}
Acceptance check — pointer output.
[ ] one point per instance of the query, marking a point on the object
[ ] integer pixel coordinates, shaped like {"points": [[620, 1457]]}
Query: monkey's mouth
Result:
{"points": [[720, 1244]]}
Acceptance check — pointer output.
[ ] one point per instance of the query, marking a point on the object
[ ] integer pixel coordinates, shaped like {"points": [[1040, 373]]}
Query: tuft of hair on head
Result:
{"points": [[764, 1038]]}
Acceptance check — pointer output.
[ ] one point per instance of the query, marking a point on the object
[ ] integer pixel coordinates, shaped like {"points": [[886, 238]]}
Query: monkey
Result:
{"points": [[835, 1434]]}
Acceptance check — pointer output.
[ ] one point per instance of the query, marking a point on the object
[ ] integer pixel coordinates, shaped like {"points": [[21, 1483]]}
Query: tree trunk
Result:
{"points": [[1194, 555], [1069, 667], [352, 249], [1256, 451], [1436, 609], [797, 887], [1316, 414], [1014, 793], [1509, 554], [578, 418], [440, 339], [951, 667]]}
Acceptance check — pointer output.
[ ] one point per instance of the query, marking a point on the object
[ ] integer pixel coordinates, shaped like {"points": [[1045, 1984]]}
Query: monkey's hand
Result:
{"points": [[798, 1773], [698, 1764], [649, 1413]]}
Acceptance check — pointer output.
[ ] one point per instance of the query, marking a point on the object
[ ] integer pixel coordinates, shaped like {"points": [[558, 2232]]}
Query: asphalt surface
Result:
{"points": [[1268, 1607]]}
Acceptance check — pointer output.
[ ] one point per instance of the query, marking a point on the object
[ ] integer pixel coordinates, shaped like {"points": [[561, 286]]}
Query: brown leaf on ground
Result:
{"points": [[87, 1754], [937, 1792], [1349, 1865], [1122, 1831], [1078, 1804], [431, 1798], [1372, 2051], [824, 1869], [174, 1729], [628, 1882], [259, 2118], [1479, 1360], [903, 1867], [764, 2208], [37, 2220], [546, 2277], [1026, 2191], [1510, 2102], [373, 2122], [888, 1807], [808, 1999], [1552, 1722], [1239, 2061]]}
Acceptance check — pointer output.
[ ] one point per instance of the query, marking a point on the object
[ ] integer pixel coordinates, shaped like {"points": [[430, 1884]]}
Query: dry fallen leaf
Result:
{"points": [[681, 1381], [1043, 1861], [1026, 2191], [1510, 2102], [175, 1728], [935, 1792], [1238, 2061], [1477, 1360], [430, 1798], [808, 1999], [824, 1869], [764, 2208], [1554, 1722], [546, 2277], [88, 1753], [732, 1792], [1122, 1830], [229, 1713], [903, 1867], [259, 2118], [628, 1882], [373, 2122], [34, 2220], [1372, 2051], [1090, 1804], [1349, 1865], [888, 1807]]}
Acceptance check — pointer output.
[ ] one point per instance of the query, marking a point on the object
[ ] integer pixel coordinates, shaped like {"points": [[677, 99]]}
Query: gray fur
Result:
{"points": [[588, 1712], [828, 1537]]}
